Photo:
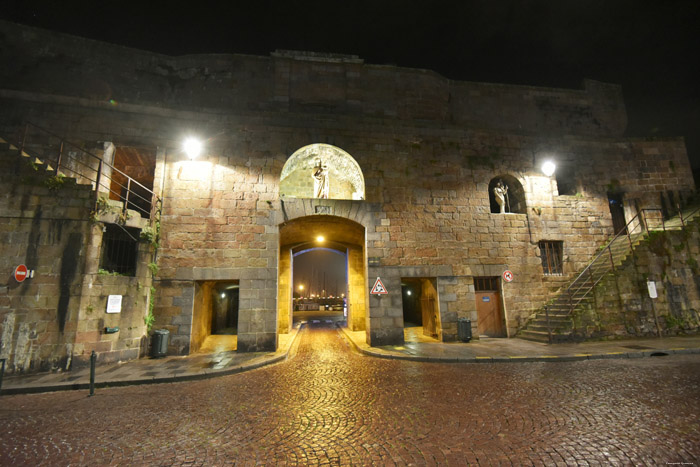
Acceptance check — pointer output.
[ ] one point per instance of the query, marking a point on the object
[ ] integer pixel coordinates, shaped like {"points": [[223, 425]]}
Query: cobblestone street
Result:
{"points": [[328, 405]]}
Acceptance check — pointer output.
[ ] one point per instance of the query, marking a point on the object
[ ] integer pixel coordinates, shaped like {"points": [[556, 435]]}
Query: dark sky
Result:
{"points": [[321, 269], [649, 47]]}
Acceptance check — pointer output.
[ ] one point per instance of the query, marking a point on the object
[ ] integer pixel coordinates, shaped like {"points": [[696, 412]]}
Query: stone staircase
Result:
{"points": [[28, 168], [31, 169], [553, 322]]}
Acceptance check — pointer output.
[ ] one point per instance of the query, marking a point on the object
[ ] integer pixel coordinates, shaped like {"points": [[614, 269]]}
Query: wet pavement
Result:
{"points": [[329, 405]]}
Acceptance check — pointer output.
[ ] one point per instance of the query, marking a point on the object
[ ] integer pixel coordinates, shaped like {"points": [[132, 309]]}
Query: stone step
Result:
{"points": [[555, 329], [542, 321], [536, 336]]}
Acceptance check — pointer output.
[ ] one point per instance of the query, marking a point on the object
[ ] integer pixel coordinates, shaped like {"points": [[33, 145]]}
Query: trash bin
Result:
{"points": [[159, 343], [464, 329]]}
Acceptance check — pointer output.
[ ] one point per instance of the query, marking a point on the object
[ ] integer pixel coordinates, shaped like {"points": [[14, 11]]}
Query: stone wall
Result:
{"points": [[54, 319], [287, 81], [427, 149], [45, 229]]}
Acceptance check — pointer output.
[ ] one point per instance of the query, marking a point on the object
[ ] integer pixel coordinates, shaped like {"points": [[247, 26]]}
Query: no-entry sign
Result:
{"points": [[507, 276], [21, 273]]}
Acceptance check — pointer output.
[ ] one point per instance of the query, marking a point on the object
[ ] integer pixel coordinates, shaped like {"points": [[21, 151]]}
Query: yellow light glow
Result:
{"points": [[301, 287], [320, 239]]}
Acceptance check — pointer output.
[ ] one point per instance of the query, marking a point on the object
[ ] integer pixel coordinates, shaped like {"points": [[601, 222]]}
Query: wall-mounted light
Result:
{"points": [[548, 168], [408, 292], [320, 239], [192, 147]]}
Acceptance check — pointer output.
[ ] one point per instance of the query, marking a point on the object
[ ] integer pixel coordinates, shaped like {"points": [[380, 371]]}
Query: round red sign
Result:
{"points": [[507, 276], [20, 273]]}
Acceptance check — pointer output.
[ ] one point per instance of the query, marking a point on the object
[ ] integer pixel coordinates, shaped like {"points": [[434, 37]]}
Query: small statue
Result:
{"points": [[320, 180], [500, 191]]}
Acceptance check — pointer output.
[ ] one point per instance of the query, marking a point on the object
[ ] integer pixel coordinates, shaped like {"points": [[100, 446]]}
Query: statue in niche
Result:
{"points": [[320, 180], [500, 192]]}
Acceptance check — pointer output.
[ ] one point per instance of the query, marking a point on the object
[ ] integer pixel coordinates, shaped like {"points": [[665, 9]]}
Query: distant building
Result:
{"points": [[435, 187]]}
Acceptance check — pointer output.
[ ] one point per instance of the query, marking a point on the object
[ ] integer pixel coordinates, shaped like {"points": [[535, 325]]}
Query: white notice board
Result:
{"points": [[114, 304]]}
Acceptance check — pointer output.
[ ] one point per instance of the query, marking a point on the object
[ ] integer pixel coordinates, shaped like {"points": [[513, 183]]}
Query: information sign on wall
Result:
{"points": [[114, 304]]}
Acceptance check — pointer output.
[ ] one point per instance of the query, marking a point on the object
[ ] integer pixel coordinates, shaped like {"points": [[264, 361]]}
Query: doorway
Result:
{"points": [[489, 309], [419, 300], [138, 164], [617, 211], [215, 317]]}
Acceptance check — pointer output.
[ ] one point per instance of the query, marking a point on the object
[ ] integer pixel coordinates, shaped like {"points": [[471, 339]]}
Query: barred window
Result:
{"points": [[552, 257], [119, 249], [484, 284]]}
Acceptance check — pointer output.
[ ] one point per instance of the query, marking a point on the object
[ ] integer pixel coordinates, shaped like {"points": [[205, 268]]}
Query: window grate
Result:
{"points": [[486, 284], [552, 257], [119, 250]]}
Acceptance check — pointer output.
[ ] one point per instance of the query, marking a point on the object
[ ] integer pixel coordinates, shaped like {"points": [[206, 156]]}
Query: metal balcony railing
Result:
{"points": [[68, 159]]}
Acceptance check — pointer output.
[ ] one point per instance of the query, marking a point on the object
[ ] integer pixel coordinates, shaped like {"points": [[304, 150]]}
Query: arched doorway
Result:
{"points": [[326, 238]]}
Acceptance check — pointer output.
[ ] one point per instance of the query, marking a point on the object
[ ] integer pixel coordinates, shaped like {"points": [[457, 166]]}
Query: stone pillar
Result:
{"points": [[284, 296], [105, 179], [385, 323], [357, 291], [257, 315]]}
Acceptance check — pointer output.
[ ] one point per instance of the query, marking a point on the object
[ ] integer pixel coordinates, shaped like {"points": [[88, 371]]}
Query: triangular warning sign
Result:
{"points": [[378, 288]]}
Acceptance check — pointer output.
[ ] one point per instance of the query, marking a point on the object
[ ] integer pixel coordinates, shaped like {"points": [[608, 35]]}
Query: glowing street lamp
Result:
{"points": [[548, 168], [192, 147]]}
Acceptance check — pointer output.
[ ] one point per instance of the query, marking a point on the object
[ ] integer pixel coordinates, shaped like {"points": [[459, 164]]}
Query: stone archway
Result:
{"points": [[338, 233], [322, 163]]}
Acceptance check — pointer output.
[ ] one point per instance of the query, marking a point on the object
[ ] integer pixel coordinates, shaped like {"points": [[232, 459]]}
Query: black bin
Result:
{"points": [[159, 343], [464, 329]]}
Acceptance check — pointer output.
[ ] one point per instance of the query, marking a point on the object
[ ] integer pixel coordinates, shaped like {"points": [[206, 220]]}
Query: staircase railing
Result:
{"points": [[54, 150], [583, 285], [604, 262]]}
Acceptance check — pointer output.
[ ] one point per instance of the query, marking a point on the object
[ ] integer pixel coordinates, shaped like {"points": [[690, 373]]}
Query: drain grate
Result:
{"points": [[659, 354]]}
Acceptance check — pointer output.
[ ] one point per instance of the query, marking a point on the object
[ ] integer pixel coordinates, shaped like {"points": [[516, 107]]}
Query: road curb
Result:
{"points": [[518, 358], [146, 381]]}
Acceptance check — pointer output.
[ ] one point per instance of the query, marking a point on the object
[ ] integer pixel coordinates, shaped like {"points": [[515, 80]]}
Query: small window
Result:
{"points": [[119, 249], [486, 284], [552, 257]]}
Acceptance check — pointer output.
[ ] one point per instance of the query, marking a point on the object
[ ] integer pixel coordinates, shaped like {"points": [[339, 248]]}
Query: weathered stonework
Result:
{"points": [[426, 149]]}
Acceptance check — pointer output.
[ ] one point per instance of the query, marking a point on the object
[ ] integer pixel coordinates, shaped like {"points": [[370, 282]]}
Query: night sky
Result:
{"points": [[649, 47]]}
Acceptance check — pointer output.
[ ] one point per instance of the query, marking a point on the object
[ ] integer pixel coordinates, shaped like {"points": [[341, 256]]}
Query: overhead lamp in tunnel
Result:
{"points": [[320, 239]]}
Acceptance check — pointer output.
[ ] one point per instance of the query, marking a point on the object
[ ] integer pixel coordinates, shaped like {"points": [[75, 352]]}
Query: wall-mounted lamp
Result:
{"points": [[320, 239], [548, 168], [192, 147]]}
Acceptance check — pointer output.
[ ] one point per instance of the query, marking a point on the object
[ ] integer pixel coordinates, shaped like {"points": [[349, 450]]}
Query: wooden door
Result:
{"points": [[429, 312], [488, 310]]}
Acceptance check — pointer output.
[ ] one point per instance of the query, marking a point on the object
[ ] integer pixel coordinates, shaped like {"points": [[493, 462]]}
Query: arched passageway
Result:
{"points": [[319, 274]]}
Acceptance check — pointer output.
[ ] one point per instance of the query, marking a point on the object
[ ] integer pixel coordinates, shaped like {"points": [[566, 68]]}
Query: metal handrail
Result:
{"points": [[578, 283], [99, 178], [577, 287]]}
